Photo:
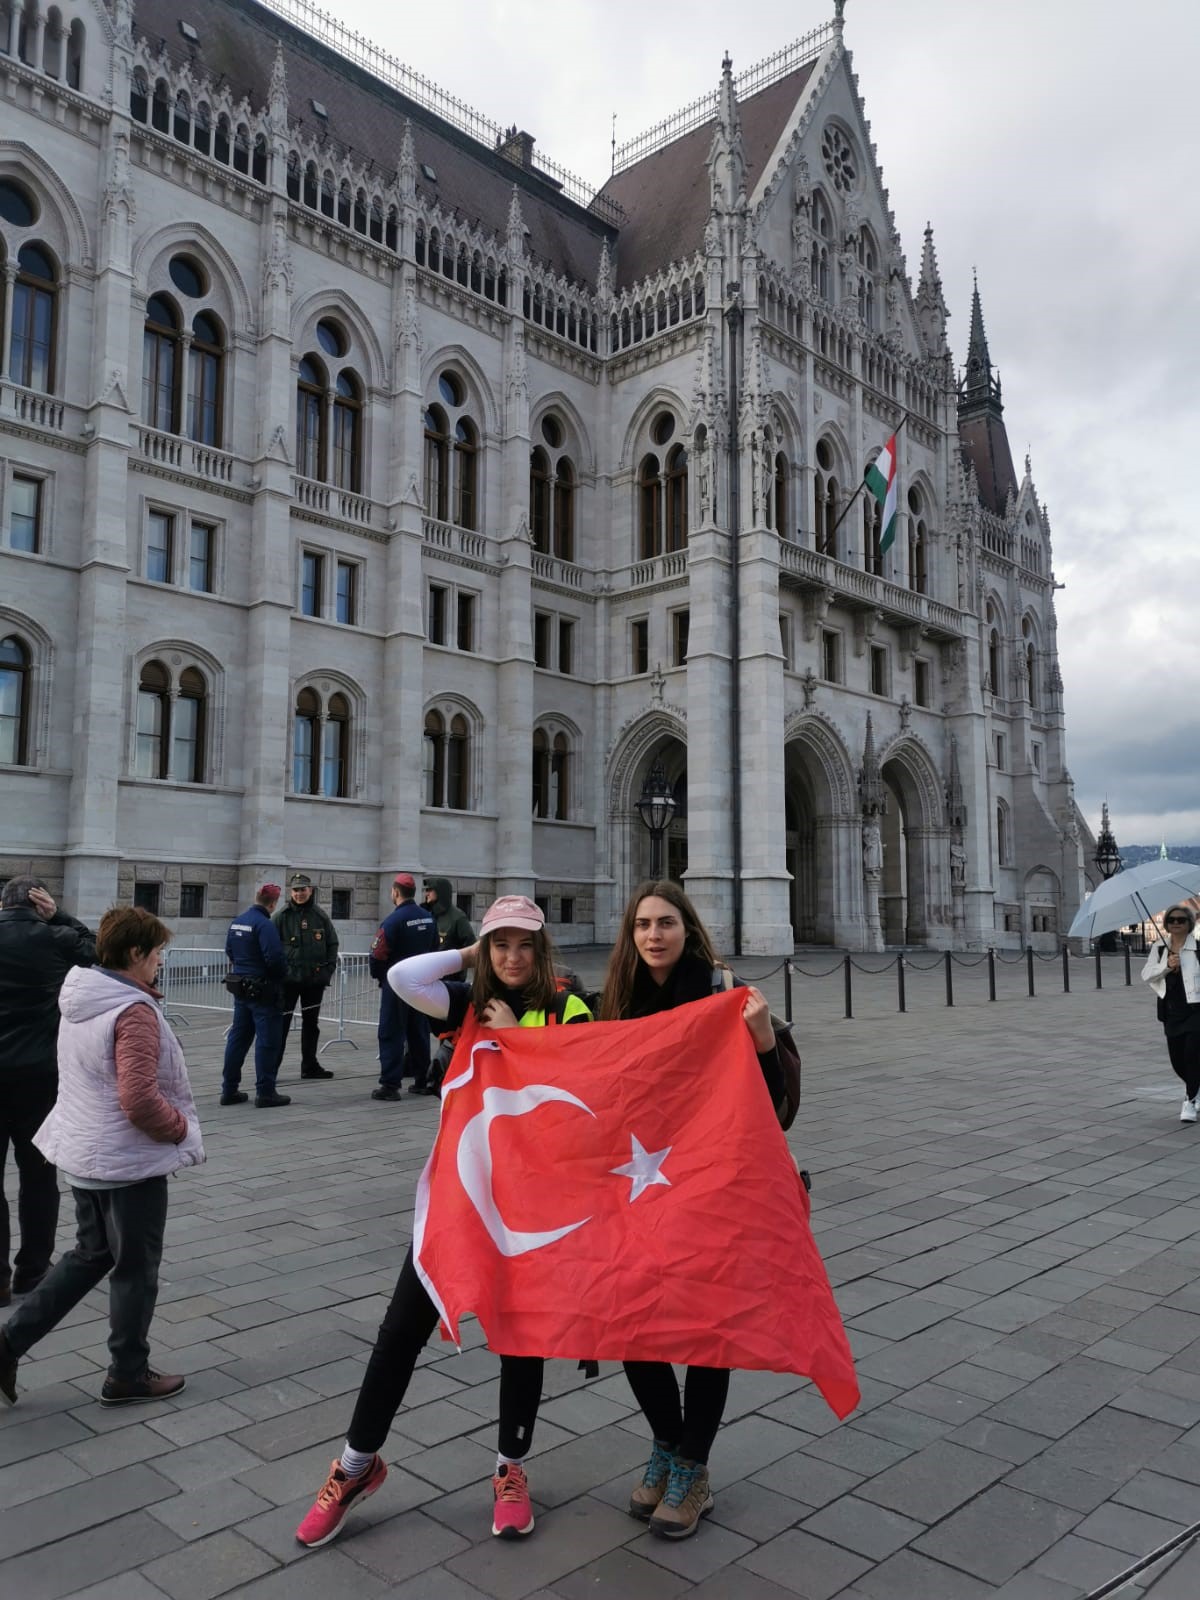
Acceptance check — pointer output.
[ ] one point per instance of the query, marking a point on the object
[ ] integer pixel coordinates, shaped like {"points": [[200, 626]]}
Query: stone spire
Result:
{"points": [[956, 809], [277, 96], [981, 429], [726, 156], [604, 275], [870, 777], [516, 226], [932, 312], [406, 167], [979, 387]]}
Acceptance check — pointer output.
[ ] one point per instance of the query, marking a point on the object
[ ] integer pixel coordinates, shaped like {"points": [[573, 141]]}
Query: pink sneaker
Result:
{"points": [[324, 1521], [512, 1517]]}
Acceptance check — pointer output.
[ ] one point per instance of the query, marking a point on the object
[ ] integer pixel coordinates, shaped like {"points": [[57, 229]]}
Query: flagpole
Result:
{"points": [[862, 485]]}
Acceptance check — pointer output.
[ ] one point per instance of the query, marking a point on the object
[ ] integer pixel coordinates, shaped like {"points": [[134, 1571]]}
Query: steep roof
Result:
{"points": [[665, 195], [237, 40]]}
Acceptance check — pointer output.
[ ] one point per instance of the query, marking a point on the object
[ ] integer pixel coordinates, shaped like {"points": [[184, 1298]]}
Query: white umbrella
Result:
{"points": [[1135, 895]]}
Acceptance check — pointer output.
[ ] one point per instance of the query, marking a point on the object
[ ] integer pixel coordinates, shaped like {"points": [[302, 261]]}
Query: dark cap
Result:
{"points": [[270, 891], [300, 880], [404, 880]]}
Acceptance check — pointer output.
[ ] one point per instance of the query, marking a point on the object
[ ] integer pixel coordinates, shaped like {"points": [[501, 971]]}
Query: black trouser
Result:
{"points": [[404, 1332], [1184, 1051], [26, 1100], [690, 1427], [118, 1232], [309, 995]]}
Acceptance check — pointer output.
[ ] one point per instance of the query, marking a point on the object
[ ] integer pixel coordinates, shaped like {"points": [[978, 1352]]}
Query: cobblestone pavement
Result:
{"points": [[1006, 1201]]}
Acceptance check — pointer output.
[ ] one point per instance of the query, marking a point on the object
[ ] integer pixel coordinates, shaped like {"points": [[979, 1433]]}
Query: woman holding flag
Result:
{"points": [[663, 957], [514, 986]]}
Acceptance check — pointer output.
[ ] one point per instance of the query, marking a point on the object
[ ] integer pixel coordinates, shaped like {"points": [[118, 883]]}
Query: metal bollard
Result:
{"points": [[1099, 974], [1029, 966], [1128, 974], [991, 974], [1066, 970], [787, 989], [900, 981], [849, 993], [949, 980]]}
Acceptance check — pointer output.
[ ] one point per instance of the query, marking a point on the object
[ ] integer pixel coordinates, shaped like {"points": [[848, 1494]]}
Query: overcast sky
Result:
{"points": [[1053, 146]]}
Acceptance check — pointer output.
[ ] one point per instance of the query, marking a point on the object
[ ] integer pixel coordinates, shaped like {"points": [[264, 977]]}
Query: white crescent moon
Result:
{"points": [[475, 1164]]}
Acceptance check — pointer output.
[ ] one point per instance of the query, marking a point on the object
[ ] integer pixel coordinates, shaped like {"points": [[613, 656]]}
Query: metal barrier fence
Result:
{"points": [[194, 980]]}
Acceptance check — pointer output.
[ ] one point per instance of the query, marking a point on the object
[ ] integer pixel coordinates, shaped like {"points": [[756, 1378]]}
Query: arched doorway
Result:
{"points": [[819, 828], [911, 833]]}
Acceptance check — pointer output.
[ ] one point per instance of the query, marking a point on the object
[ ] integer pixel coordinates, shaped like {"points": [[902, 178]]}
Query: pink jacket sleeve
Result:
{"points": [[136, 1042]]}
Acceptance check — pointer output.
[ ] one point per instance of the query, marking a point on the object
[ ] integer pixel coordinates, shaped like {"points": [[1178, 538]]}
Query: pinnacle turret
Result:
{"points": [[930, 302], [979, 386]]}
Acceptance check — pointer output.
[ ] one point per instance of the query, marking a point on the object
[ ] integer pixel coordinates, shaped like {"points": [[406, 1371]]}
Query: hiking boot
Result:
{"points": [[324, 1521], [235, 1097], [8, 1372], [512, 1515], [687, 1498], [272, 1099], [385, 1092], [315, 1072], [150, 1386], [644, 1500]]}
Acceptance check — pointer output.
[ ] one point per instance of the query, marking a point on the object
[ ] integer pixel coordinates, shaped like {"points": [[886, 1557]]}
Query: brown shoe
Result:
{"points": [[643, 1502], [150, 1386], [688, 1497]]}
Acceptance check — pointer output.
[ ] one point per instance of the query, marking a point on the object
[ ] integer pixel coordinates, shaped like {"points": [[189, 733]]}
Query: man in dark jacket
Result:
{"points": [[454, 930], [39, 944], [256, 983], [410, 930], [310, 947]]}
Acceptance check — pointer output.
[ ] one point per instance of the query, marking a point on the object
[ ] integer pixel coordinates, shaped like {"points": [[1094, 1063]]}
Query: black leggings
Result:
{"points": [[690, 1427], [1184, 1051], [407, 1324]]}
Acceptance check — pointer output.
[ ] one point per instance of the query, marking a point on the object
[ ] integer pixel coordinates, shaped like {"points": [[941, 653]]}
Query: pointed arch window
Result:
{"points": [[171, 724], [447, 760], [560, 768], [539, 499], [335, 744], [541, 773], [34, 320], [347, 432], [466, 473], [435, 758], [677, 499], [161, 342], [205, 358], [826, 501], [564, 511], [310, 418], [650, 508], [457, 770], [14, 702], [306, 743], [779, 486], [437, 464], [872, 536], [153, 710], [187, 727]]}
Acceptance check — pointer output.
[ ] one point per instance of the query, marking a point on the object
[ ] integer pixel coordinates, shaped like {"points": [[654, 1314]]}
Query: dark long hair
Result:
{"points": [[537, 995], [617, 999]]}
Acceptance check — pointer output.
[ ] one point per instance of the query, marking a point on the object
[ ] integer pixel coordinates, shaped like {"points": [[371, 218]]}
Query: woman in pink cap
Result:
{"points": [[514, 986]]}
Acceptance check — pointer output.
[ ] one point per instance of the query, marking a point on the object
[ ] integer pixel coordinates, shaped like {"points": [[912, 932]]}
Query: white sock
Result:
{"points": [[508, 1461], [355, 1462]]}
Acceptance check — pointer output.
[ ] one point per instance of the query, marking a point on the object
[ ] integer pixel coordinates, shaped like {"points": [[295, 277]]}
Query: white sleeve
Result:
{"points": [[418, 980]]}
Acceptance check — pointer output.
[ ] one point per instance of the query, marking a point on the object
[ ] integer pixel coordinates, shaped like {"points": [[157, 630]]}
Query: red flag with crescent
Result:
{"points": [[622, 1191]]}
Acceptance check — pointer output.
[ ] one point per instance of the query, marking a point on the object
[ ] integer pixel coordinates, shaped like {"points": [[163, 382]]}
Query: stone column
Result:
{"points": [[709, 876]]}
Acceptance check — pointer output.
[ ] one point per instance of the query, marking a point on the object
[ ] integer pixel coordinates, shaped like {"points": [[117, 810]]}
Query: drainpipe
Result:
{"points": [[733, 321]]}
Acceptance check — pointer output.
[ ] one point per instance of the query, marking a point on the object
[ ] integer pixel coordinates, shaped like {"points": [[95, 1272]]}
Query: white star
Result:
{"points": [[643, 1168]]}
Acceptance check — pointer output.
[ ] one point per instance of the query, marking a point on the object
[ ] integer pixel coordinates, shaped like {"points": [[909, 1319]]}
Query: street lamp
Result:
{"points": [[656, 807], [1108, 863]]}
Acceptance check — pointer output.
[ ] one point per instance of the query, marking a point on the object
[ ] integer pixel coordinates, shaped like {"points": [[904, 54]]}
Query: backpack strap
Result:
{"points": [[723, 978]]}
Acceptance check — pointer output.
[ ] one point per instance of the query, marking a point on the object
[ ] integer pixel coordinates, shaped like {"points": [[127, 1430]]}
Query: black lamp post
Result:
{"points": [[656, 807], [1108, 863]]}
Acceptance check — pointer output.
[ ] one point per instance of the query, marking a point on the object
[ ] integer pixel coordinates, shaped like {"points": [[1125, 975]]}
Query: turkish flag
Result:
{"points": [[623, 1191]]}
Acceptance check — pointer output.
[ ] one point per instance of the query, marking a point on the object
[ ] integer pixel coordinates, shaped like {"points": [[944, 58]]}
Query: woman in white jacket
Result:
{"points": [[1173, 972], [124, 1120]]}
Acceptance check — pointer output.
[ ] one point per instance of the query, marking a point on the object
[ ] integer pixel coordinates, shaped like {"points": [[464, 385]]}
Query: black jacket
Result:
{"points": [[35, 957]]}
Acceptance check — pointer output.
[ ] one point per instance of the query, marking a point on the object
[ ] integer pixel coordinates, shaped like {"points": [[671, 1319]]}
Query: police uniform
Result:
{"points": [[257, 971], [409, 930]]}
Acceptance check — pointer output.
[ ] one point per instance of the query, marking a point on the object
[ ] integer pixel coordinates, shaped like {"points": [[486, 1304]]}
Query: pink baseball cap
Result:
{"points": [[513, 911]]}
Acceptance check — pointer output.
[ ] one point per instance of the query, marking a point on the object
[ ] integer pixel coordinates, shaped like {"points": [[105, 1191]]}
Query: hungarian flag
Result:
{"points": [[881, 481], [622, 1190]]}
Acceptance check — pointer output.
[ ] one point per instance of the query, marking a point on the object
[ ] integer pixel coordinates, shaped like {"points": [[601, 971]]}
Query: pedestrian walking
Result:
{"points": [[408, 930], [1173, 972], [663, 957], [255, 981], [310, 948], [514, 986], [39, 945], [124, 1119]]}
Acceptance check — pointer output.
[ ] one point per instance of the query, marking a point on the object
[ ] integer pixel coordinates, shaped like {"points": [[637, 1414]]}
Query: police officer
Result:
{"points": [[256, 983], [310, 947], [409, 930]]}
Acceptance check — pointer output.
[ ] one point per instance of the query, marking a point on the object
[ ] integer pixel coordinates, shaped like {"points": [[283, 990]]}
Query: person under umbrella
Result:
{"points": [[1173, 972]]}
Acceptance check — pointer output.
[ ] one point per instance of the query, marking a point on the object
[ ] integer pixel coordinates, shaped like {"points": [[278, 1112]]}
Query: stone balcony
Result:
{"points": [[851, 587]]}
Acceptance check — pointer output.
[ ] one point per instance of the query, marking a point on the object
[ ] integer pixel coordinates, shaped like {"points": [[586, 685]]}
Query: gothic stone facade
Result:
{"points": [[370, 502]]}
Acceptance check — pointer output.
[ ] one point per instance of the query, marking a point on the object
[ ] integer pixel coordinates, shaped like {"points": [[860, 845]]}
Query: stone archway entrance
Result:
{"points": [[812, 815], [671, 753], [903, 898]]}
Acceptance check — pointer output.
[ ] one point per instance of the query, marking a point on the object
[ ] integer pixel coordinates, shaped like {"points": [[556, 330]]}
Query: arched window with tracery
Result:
{"points": [[872, 535], [335, 748], [552, 487], [826, 500], [1029, 661], [171, 724], [330, 429], [560, 772], [993, 649], [1003, 839], [347, 432], [677, 499], [779, 486], [435, 758], [466, 473], [822, 225], [650, 508], [539, 499], [34, 318], [160, 365], [306, 743], [310, 418], [15, 741], [447, 760], [541, 773], [918, 543], [437, 464], [205, 357], [453, 452], [322, 744]]}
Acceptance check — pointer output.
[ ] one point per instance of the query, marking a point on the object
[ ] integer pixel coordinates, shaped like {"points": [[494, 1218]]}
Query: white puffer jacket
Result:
{"points": [[87, 1133], [1155, 971]]}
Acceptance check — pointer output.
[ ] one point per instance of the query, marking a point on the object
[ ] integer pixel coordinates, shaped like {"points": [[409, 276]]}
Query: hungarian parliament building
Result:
{"points": [[375, 495]]}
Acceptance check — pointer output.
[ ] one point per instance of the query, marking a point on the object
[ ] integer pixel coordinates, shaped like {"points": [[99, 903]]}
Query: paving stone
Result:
{"points": [[1130, 1530], [28, 1480], [623, 1572], [68, 1511], [1082, 1563], [205, 1509], [127, 1586], [807, 1566], [321, 1575], [577, 1533], [401, 1546], [909, 1576], [209, 1567], [998, 1533], [867, 1529], [54, 1570]]}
